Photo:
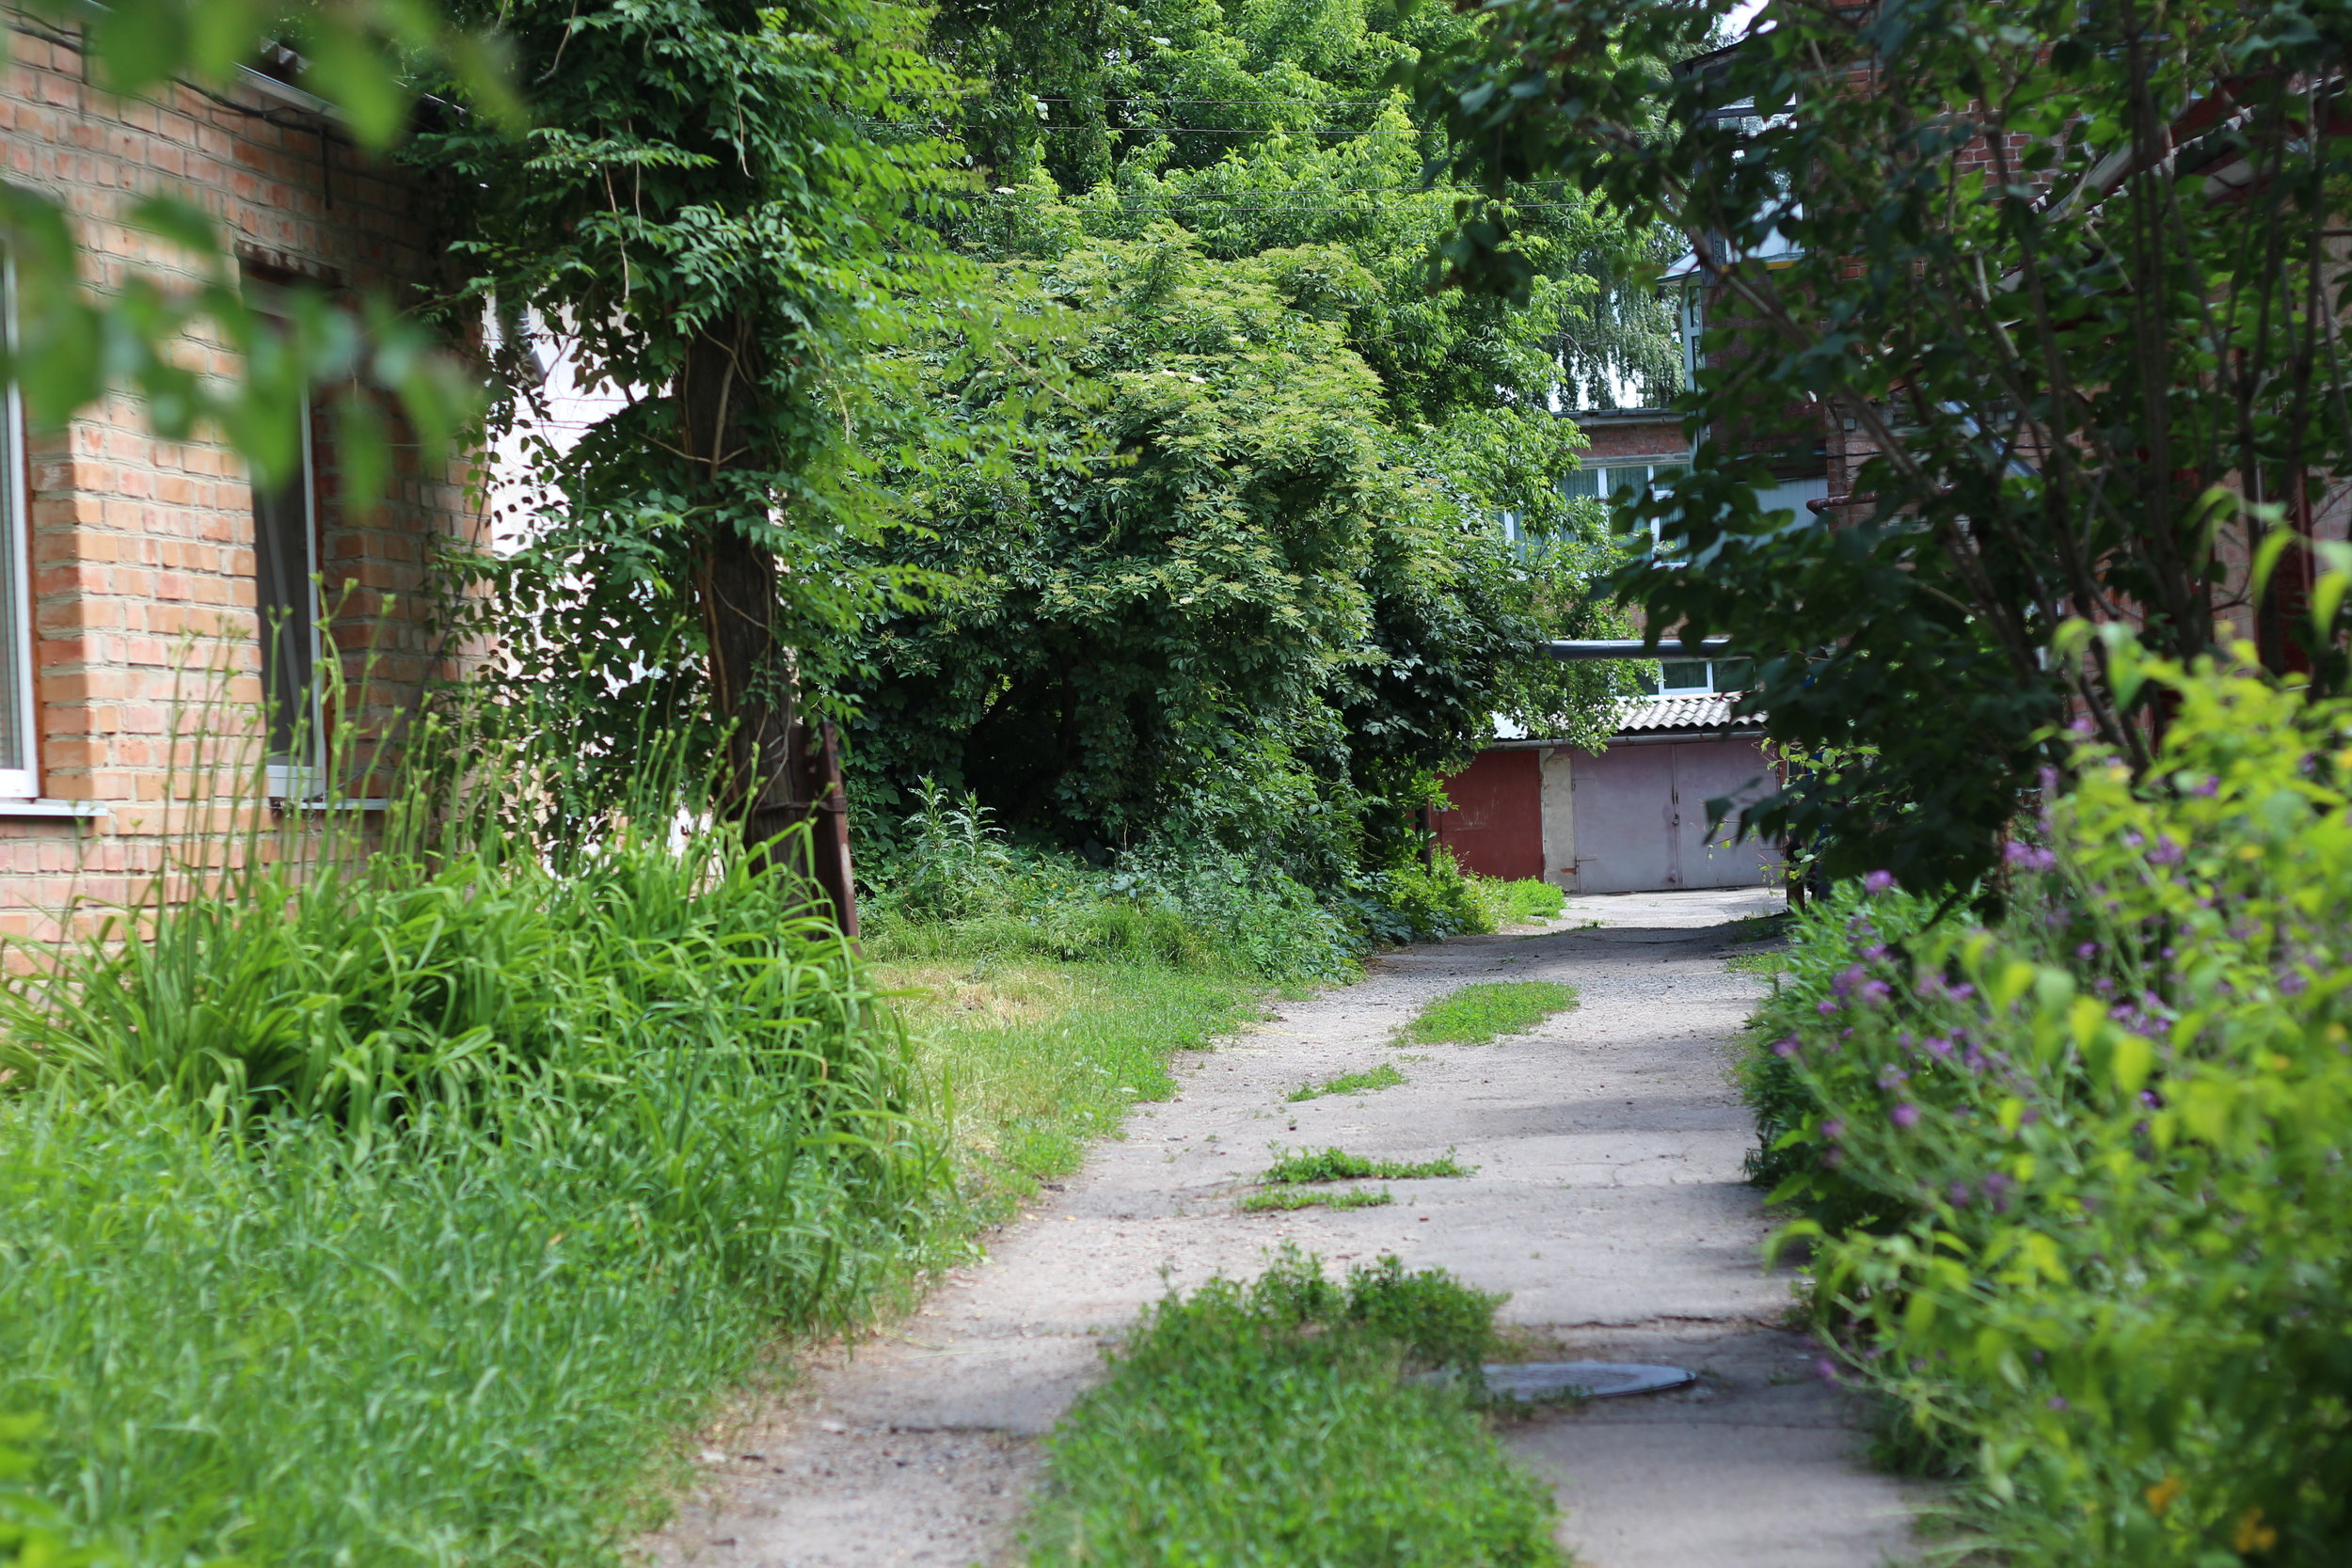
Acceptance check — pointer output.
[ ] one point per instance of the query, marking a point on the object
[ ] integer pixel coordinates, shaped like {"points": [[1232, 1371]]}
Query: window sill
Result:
{"points": [[84, 810], [314, 803]]}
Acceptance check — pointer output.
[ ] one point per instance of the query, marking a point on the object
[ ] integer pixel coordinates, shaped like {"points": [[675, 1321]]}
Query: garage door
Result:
{"points": [[1496, 828], [1641, 816]]}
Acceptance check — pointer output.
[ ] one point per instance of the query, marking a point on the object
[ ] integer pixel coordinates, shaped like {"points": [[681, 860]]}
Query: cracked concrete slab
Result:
{"points": [[1607, 1200]]}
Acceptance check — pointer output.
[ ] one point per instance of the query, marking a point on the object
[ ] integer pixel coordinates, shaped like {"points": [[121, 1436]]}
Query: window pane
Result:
{"points": [[1582, 485], [288, 603], [1683, 674], [1733, 675], [15, 641]]}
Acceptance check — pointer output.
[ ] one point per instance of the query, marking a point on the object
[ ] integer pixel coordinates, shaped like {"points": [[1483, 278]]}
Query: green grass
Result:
{"points": [[1512, 903], [1337, 1164], [415, 1217], [1030, 1058], [1271, 1426], [1385, 1076], [1473, 1015], [1282, 1199]]}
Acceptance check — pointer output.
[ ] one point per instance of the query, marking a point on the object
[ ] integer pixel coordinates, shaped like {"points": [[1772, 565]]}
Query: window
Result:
{"points": [[20, 770], [1690, 677], [285, 564]]}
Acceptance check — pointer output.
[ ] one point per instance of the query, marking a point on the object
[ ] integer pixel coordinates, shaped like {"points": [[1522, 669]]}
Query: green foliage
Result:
{"points": [[1242, 583], [1285, 1199], [2079, 1179], [953, 883], [1269, 1424], [1475, 1015], [1406, 901], [30, 1536], [1385, 1076], [2080, 370], [720, 216], [1337, 1164]]}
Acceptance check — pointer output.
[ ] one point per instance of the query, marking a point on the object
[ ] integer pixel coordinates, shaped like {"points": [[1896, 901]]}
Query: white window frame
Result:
{"points": [[16, 568]]}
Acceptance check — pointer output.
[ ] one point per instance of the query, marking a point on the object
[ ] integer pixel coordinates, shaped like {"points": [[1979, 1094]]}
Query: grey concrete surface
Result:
{"points": [[1607, 1200]]}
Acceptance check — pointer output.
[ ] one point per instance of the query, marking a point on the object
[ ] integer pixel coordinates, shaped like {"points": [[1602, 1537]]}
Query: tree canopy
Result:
{"points": [[2059, 278]]}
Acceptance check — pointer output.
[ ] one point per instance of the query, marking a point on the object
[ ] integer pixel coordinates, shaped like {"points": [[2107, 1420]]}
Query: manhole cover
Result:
{"points": [[1592, 1380]]}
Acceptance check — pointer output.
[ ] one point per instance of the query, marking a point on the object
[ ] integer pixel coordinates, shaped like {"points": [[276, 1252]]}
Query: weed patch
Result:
{"points": [[1513, 903], [1337, 1164], [1385, 1076], [1473, 1015], [1283, 1199], [1270, 1425]]}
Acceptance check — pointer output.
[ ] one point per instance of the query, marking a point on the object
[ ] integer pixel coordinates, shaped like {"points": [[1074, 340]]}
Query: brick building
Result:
{"points": [[130, 567]]}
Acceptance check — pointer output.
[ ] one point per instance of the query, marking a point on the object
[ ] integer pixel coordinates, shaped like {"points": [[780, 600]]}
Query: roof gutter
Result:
{"points": [[1634, 647]]}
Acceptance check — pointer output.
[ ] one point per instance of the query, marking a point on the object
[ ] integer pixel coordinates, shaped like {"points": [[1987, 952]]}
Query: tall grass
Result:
{"points": [[395, 1206]]}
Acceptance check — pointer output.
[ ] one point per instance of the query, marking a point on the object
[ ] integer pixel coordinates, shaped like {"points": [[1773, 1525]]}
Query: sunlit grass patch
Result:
{"points": [[1284, 1198], [1473, 1015], [1513, 903], [1385, 1076], [1337, 1164]]}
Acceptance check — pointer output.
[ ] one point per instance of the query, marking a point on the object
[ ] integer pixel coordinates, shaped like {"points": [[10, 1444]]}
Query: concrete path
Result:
{"points": [[1607, 1200]]}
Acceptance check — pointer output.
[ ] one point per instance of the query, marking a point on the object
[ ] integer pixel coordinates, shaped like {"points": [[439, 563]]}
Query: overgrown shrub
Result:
{"points": [[2083, 1203]]}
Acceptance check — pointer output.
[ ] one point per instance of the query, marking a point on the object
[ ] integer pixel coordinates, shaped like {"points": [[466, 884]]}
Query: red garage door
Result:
{"points": [[1496, 828]]}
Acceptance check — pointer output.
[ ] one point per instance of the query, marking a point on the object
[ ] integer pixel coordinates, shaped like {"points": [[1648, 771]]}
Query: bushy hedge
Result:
{"points": [[2081, 1182]]}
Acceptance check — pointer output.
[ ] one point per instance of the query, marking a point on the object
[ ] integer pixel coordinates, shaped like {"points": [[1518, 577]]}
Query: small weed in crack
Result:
{"points": [[1382, 1077], [1473, 1015]]}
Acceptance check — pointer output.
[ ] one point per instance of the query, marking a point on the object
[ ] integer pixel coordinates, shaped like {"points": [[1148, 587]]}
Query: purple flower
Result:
{"points": [[2058, 1401], [1784, 1049], [1996, 1188], [1825, 1006], [1963, 992], [2293, 984], [2168, 852], [2081, 724], [1938, 1047], [1832, 1129], [1960, 1194], [2087, 950], [1878, 882], [1876, 951], [1824, 1368], [1847, 978], [2207, 787], [1905, 1116], [1875, 993], [2147, 1098], [2027, 857]]}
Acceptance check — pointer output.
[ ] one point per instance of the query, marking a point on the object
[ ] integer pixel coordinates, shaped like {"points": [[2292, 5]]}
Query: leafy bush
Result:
{"points": [[1270, 1425], [1411, 902], [2083, 1206], [954, 882]]}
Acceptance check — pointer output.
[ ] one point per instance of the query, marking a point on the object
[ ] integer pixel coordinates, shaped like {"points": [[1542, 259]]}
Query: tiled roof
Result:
{"points": [[1700, 710]]}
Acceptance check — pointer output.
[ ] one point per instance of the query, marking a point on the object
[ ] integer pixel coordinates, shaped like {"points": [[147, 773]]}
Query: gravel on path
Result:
{"points": [[1607, 1200]]}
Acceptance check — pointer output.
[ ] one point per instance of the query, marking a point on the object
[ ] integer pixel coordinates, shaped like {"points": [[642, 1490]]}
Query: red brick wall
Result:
{"points": [[143, 562], [1609, 440]]}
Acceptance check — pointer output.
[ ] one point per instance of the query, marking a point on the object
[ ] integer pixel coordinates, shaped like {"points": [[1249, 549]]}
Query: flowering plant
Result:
{"points": [[2077, 1184]]}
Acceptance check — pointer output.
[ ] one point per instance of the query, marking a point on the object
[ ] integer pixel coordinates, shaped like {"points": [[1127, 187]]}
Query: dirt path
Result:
{"points": [[1607, 1201]]}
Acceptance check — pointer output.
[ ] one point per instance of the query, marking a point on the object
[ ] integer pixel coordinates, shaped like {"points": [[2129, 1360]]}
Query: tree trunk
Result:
{"points": [[772, 779]]}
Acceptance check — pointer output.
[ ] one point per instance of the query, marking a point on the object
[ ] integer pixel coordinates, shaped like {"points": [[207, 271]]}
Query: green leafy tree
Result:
{"points": [[716, 215], [2063, 272]]}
